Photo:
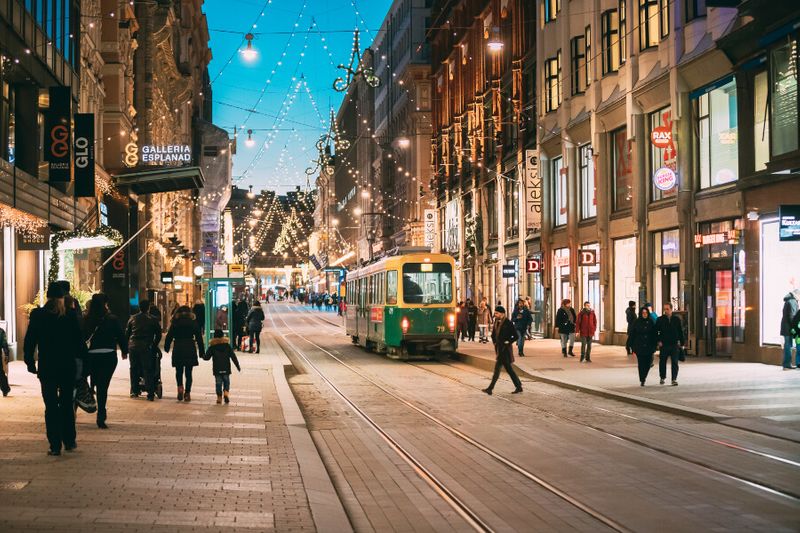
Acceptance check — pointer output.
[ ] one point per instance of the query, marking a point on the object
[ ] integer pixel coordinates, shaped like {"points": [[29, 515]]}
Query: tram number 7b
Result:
{"points": [[440, 329]]}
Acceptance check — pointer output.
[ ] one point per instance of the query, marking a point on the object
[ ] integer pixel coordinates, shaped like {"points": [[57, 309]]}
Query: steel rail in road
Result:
{"points": [[660, 425], [463, 510], [477, 523]]}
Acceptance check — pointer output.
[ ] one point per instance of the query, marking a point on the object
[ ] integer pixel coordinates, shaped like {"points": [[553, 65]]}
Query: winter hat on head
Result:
{"points": [[500, 309]]}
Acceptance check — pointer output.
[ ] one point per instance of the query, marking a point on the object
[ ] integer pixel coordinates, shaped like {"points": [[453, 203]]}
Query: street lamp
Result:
{"points": [[250, 193], [199, 270], [249, 53], [495, 44]]}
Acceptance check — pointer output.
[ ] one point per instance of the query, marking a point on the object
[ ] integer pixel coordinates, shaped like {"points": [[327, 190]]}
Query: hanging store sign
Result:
{"points": [[315, 262], [430, 229], [83, 159], [343, 202], [34, 240], [665, 179], [452, 217], [533, 190], [661, 136], [166, 154], [509, 271], [534, 264], [710, 238], [236, 270], [587, 257], [789, 223], [167, 278], [57, 134]]}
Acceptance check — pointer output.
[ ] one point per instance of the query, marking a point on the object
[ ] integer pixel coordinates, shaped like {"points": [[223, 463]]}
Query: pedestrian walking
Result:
{"points": [[670, 342], [529, 306], [188, 344], [56, 334], [630, 318], [143, 333], [70, 303], [240, 310], [221, 320], [521, 320], [103, 334], [463, 320], [472, 319], [484, 317], [255, 321], [586, 325], [221, 354], [5, 356], [643, 338], [155, 312], [790, 308], [504, 334], [565, 322]]}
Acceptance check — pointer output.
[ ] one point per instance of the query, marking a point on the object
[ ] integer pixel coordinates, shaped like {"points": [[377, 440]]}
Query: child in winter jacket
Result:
{"points": [[221, 354]]}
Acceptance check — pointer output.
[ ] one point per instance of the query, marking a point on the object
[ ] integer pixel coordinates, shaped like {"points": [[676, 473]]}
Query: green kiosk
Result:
{"points": [[219, 290]]}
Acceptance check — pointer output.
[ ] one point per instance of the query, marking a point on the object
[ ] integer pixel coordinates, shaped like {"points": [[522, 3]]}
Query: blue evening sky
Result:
{"points": [[289, 85]]}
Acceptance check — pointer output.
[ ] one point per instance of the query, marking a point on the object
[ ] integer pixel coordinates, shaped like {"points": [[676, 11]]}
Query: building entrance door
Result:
{"points": [[718, 321], [669, 289]]}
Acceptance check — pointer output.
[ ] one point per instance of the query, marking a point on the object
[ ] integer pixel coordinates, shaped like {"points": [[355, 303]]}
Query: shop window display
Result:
{"points": [[561, 286], [626, 288], [590, 287], [776, 279]]}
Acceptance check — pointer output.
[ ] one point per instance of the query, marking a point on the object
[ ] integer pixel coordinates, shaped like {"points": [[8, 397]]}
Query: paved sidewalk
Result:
{"points": [[755, 396], [167, 466]]}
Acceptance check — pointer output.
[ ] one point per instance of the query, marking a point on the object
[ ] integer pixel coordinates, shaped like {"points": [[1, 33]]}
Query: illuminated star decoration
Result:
{"points": [[341, 84]]}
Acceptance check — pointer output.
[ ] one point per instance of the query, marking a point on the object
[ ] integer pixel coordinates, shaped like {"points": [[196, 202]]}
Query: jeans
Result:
{"points": [[586, 348], [136, 371], [671, 353], [180, 370], [504, 361], [567, 337], [145, 362], [223, 382], [58, 393], [520, 341], [787, 352], [482, 331], [255, 340], [100, 368], [471, 330]]}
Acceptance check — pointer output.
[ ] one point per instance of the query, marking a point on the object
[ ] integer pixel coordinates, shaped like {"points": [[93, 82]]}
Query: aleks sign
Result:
{"points": [[169, 154], [430, 229], [533, 190]]}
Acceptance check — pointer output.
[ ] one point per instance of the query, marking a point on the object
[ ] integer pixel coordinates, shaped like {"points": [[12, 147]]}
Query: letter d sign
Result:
{"points": [[587, 258]]}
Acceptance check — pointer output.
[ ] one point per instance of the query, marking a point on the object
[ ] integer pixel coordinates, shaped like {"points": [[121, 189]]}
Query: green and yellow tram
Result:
{"points": [[403, 305]]}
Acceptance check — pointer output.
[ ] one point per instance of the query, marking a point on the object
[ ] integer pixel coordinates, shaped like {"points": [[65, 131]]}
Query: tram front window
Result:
{"points": [[427, 283]]}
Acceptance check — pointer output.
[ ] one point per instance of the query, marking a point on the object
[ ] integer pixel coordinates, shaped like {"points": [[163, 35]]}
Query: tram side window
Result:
{"points": [[427, 283], [391, 287]]}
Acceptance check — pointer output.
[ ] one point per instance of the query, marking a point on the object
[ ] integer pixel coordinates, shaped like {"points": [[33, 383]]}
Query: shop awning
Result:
{"points": [[162, 180]]}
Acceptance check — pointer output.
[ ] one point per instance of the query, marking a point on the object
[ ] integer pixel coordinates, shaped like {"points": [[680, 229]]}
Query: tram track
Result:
{"points": [[759, 485], [457, 504]]}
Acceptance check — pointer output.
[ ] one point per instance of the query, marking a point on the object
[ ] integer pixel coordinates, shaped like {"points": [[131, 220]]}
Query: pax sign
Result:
{"points": [[661, 136]]}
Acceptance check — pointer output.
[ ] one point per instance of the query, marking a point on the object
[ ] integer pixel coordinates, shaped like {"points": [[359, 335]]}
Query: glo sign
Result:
{"points": [[789, 223]]}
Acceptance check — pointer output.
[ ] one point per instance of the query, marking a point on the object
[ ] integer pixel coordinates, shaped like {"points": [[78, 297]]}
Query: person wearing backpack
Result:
{"points": [[221, 354], [103, 333]]}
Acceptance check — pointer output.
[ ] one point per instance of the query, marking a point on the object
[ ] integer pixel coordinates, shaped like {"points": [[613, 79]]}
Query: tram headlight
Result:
{"points": [[451, 322], [404, 325]]}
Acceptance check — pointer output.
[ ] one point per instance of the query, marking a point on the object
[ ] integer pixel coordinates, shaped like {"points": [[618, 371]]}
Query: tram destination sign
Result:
{"points": [[789, 223]]}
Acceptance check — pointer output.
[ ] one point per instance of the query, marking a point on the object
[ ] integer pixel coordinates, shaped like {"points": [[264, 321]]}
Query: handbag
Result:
{"points": [[84, 396], [682, 354]]}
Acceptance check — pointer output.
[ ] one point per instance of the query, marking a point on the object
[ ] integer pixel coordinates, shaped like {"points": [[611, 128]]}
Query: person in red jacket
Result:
{"points": [[586, 325]]}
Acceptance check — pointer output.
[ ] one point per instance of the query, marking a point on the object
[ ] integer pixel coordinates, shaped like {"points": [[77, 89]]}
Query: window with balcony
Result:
{"points": [[610, 40], [578, 46], [552, 82], [559, 179], [588, 182]]}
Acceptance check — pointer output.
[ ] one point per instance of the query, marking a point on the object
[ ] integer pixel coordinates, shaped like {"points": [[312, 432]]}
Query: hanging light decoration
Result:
{"points": [[250, 142], [341, 84], [249, 53]]}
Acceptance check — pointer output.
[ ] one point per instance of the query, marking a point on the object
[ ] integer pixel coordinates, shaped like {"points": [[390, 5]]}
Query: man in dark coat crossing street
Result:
{"points": [[504, 334]]}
